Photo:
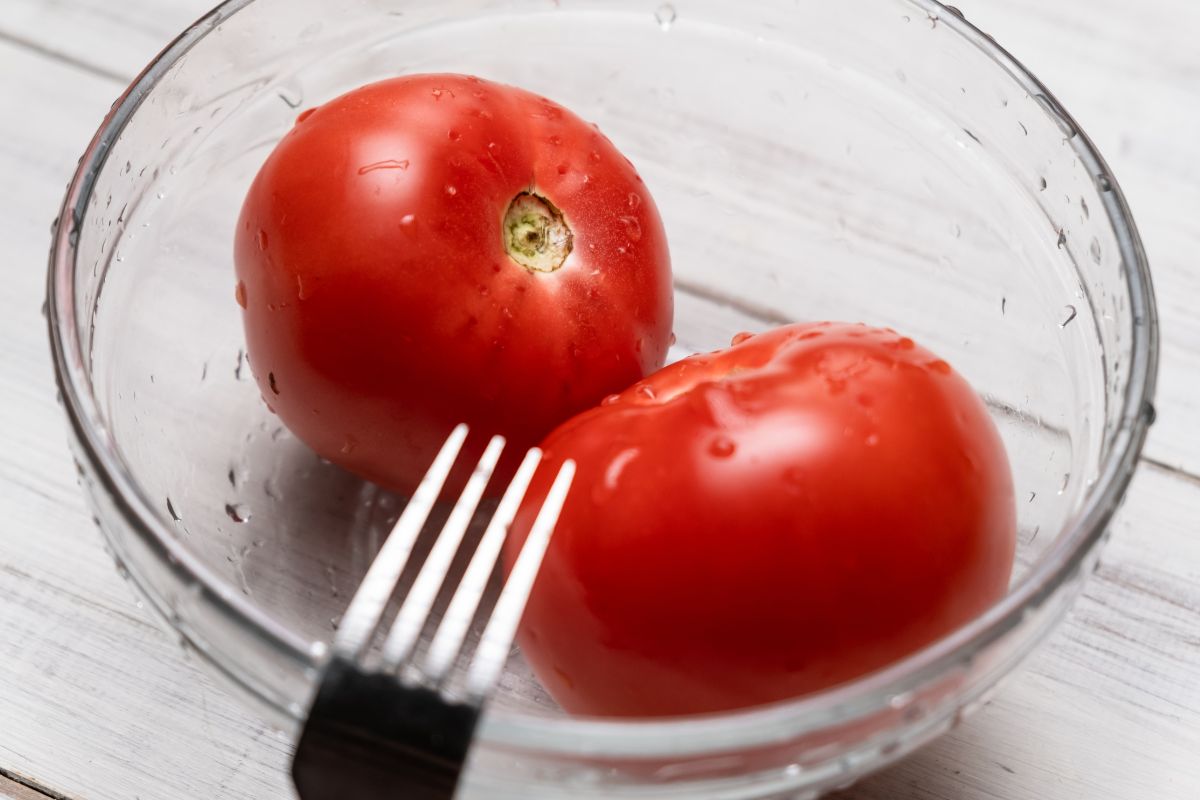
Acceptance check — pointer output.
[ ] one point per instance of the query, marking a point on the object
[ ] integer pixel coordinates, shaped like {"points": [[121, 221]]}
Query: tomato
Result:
{"points": [[437, 249], [766, 521]]}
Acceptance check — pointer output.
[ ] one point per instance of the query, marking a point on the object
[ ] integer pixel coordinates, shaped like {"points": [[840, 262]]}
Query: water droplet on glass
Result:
{"points": [[1066, 481], [237, 513], [241, 360], [171, 510], [1083, 206], [1094, 251], [1071, 314], [1042, 184], [389, 163], [665, 16], [673, 340], [722, 447], [1062, 238], [291, 96], [1003, 305], [1104, 183]]}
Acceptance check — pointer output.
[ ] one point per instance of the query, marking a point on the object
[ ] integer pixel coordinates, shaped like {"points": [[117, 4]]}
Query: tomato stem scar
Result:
{"points": [[535, 234]]}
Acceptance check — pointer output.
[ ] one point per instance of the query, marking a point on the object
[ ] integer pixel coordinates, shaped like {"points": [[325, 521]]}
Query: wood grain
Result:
{"points": [[96, 702]]}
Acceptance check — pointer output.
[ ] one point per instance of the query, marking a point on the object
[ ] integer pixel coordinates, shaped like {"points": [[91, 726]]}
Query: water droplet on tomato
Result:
{"points": [[454, 135], [483, 290], [939, 366], [390, 163], [562, 169], [647, 392], [635, 200], [263, 240], [594, 157], [239, 294], [612, 398], [305, 114], [906, 343], [451, 190], [738, 338], [408, 219], [633, 228], [872, 440], [722, 447], [301, 290], [349, 445]]}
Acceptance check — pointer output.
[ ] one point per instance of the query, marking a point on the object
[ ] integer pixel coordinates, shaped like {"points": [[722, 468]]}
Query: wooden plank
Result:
{"points": [[15, 790]]}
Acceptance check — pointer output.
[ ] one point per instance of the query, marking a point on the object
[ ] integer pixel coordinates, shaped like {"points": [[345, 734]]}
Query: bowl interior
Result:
{"points": [[852, 161]]}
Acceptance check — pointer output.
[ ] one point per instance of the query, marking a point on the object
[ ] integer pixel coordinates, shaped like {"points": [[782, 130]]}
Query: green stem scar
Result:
{"points": [[535, 234]]}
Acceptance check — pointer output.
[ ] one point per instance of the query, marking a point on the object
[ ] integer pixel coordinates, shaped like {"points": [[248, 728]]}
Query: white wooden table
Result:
{"points": [[98, 703]]}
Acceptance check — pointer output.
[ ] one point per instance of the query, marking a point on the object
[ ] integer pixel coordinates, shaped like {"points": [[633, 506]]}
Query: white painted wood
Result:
{"points": [[96, 702]]}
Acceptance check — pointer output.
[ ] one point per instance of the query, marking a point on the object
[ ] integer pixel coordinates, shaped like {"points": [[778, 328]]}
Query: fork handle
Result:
{"points": [[370, 738]]}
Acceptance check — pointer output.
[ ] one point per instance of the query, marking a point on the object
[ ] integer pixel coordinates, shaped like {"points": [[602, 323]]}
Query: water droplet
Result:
{"points": [[555, 140], [1042, 184], [610, 400], [239, 294], [305, 114], [439, 92], [171, 510], [939, 366], [1104, 183], [594, 157], [665, 16], [241, 360], [1083, 206], [1062, 238], [291, 96], [1066, 481], [1094, 251], [263, 240], [562, 169], [906, 343], [635, 200], [271, 381], [408, 219], [389, 163], [349, 445], [738, 338], [1071, 314], [451, 190], [872, 440], [454, 135], [672, 340], [633, 228], [722, 447], [237, 513], [901, 76], [1003, 305], [647, 392]]}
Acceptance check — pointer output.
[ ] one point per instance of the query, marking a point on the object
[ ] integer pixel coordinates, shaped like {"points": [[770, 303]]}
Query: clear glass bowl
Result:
{"points": [[862, 160]]}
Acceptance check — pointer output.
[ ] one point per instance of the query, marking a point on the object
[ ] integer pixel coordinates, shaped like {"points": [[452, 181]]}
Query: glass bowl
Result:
{"points": [[880, 161]]}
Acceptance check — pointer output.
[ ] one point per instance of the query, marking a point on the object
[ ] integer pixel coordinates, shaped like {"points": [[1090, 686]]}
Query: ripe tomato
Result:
{"points": [[767, 521], [437, 249]]}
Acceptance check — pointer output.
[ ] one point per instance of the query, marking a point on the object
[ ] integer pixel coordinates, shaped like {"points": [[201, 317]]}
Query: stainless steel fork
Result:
{"points": [[389, 728]]}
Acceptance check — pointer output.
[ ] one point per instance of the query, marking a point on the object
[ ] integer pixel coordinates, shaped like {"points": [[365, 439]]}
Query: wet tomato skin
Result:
{"points": [[766, 521], [381, 305]]}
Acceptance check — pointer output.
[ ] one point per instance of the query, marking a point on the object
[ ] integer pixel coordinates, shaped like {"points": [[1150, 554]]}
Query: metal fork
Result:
{"points": [[391, 729]]}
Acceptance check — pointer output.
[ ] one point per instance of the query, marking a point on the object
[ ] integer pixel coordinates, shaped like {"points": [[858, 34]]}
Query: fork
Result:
{"points": [[391, 728]]}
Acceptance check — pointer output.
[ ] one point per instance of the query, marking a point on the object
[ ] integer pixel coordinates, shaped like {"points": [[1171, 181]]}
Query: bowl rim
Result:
{"points": [[590, 737]]}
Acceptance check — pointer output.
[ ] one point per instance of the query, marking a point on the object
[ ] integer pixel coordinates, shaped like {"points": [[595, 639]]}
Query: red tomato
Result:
{"points": [[767, 521], [437, 249]]}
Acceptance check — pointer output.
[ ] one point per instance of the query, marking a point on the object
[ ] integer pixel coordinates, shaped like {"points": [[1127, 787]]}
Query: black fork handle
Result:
{"points": [[367, 737]]}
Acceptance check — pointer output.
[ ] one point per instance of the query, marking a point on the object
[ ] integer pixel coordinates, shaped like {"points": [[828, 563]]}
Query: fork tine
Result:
{"points": [[448, 639], [414, 611], [492, 652], [363, 614]]}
